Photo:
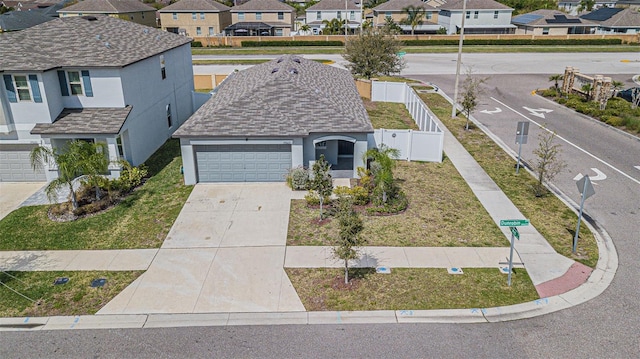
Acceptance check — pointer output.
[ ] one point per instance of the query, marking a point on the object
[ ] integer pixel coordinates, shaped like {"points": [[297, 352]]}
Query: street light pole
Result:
{"points": [[455, 91], [361, 16], [346, 14]]}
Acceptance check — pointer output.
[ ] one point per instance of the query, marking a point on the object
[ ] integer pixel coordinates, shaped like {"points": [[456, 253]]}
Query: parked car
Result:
{"points": [[628, 93]]}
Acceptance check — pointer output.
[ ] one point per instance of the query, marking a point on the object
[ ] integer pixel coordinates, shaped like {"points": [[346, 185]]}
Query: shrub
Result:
{"points": [[613, 120], [130, 178], [196, 44], [313, 199], [502, 42], [298, 179], [359, 195], [550, 92], [290, 43], [366, 181], [398, 204]]}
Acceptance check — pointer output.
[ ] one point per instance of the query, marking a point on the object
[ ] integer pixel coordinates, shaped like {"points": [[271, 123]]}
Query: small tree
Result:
{"points": [[372, 54], [390, 27], [587, 90], [321, 181], [415, 17], [586, 5], [334, 27], [349, 226], [548, 163], [471, 92], [382, 169], [556, 78], [616, 86]]}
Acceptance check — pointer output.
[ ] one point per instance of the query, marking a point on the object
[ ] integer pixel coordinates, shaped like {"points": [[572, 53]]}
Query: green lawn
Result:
{"points": [[548, 214], [76, 297], [141, 220], [389, 115], [409, 288], [242, 61]]}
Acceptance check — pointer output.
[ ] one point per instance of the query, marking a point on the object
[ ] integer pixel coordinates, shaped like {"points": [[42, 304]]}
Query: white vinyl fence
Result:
{"points": [[423, 145]]}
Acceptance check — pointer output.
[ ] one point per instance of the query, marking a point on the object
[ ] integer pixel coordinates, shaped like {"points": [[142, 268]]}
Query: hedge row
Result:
{"points": [[290, 43], [437, 42]]}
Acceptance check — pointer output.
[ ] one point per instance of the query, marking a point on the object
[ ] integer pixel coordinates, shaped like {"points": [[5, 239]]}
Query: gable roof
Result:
{"points": [[108, 7], [335, 5], [614, 17], [83, 41], [548, 18], [475, 5], [286, 97], [262, 5], [196, 5], [399, 5]]}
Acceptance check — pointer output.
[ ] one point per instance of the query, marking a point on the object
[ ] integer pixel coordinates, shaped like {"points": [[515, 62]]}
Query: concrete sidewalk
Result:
{"points": [[86, 260]]}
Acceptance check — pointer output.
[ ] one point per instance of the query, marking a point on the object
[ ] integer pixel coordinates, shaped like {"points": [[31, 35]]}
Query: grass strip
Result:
{"points": [[76, 297], [409, 288], [548, 214], [141, 220]]}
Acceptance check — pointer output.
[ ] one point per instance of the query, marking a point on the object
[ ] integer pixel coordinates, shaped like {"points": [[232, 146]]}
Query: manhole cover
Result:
{"points": [[100, 282], [61, 280]]}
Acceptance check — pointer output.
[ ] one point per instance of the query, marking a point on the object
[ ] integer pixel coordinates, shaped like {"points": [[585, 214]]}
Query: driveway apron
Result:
{"points": [[224, 253]]}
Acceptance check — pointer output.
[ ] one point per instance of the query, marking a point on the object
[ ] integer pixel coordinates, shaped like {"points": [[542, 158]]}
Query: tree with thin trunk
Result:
{"points": [[471, 91], [548, 163], [415, 17], [616, 86], [587, 90], [349, 227], [556, 78], [321, 181], [382, 165]]}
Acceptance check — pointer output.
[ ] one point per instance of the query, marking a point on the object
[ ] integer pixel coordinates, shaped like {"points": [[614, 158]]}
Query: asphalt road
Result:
{"points": [[605, 327]]}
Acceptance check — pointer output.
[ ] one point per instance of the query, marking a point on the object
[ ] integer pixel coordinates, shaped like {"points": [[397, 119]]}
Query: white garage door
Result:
{"points": [[15, 165], [243, 163]]}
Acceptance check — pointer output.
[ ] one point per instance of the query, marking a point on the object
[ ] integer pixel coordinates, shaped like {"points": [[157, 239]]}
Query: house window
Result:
{"points": [[22, 88], [120, 147], [174, 16], [131, 17], [258, 16], [211, 32], [475, 14], [545, 31], [387, 14], [352, 15], [198, 31], [162, 67], [75, 83], [240, 16], [495, 14], [280, 16], [194, 16], [322, 145], [169, 121], [339, 15], [429, 15], [279, 32], [201, 16], [318, 15], [468, 15], [142, 14]]}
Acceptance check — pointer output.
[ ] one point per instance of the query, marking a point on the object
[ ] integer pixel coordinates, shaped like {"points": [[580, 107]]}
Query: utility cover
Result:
{"points": [[455, 270], [100, 282], [383, 270], [60, 280]]}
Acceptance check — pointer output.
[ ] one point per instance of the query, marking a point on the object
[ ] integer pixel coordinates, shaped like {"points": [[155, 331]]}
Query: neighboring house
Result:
{"points": [[94, 78], [261, 18], [571, 6], [551, 22], [272, 117], [482, 17], [27, 5], [132, 10], [394, 9], [615, 20], [195, 18], [328, 10], [20, 20]]}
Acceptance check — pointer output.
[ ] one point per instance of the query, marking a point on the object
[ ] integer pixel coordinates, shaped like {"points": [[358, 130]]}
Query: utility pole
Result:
{"points": [[455, 91]]}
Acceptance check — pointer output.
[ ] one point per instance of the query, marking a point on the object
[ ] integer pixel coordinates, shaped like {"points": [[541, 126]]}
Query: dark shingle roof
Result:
{"points": [[334, 5], [262, 5], [85, 121], [20, 20], [195, 5], [475, 5], [615, 17], [545, 17], [281, 98], [83, 41], [108, 7], [399, 5]]}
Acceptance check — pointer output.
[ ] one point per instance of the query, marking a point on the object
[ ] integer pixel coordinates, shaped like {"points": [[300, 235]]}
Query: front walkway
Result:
{"points": [[12, 194]]}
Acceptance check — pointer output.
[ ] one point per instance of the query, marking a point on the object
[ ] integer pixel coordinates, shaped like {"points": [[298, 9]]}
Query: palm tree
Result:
{"points": [[75, 159], [586, 5], [616, 86], [555, 78], [305, 28], [415, 15], [587, 89], [382, 167], [333, 27]]}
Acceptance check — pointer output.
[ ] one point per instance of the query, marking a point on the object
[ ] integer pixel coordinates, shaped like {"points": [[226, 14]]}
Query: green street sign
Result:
{"points": [[514, 222], [401, 53], [515, 232]]}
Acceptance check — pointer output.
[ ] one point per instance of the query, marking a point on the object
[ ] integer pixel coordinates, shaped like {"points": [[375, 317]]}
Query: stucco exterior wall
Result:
{"points": [[184, 20], [380, 17], [141, 17]]}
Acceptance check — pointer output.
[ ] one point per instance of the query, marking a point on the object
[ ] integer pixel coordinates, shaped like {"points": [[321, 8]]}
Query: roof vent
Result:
{"points": [[98, 37], [90, 18], [274, 70], [293, 71], [146, 31], [296, 59], [107, 45], [158, 37], [280, 59]]}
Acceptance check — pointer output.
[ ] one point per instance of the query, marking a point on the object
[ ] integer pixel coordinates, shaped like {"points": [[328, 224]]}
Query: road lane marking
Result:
{"points": [[637, 167], [491, 112], [598, 177], [538, 112], [569, 142]]}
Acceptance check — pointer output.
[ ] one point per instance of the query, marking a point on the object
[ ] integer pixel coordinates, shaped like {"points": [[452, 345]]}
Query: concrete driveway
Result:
{"points": [[224, 253], [12, 194]]}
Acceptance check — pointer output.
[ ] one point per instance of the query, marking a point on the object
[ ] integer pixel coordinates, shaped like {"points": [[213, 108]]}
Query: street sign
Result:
{"points": [[515, 232], [585, 187], [522, 132], [514, 222]]}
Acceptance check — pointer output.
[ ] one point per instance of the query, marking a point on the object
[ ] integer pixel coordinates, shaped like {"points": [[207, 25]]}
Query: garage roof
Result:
{"points": [[85, 121], [289, 96]]}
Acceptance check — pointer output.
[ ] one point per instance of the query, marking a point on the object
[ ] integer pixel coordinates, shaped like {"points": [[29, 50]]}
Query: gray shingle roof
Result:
{"points": [[399, 5], [195, 5], [334, 5], [108, 6], [85, 121], [475, 5], [261, 102], [19, 20], [79, 42], [262, 5]]}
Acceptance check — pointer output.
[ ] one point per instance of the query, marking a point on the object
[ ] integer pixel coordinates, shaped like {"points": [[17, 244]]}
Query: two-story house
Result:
{"points": [[132, 10], [195, 18], [395, 10], [94, 78], [261, 18], [573, 7], [327, 10], [481, 17]]}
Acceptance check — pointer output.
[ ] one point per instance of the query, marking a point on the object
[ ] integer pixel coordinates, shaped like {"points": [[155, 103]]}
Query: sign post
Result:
{"points": [[522, 132], [513, 224], [586, 190]]}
